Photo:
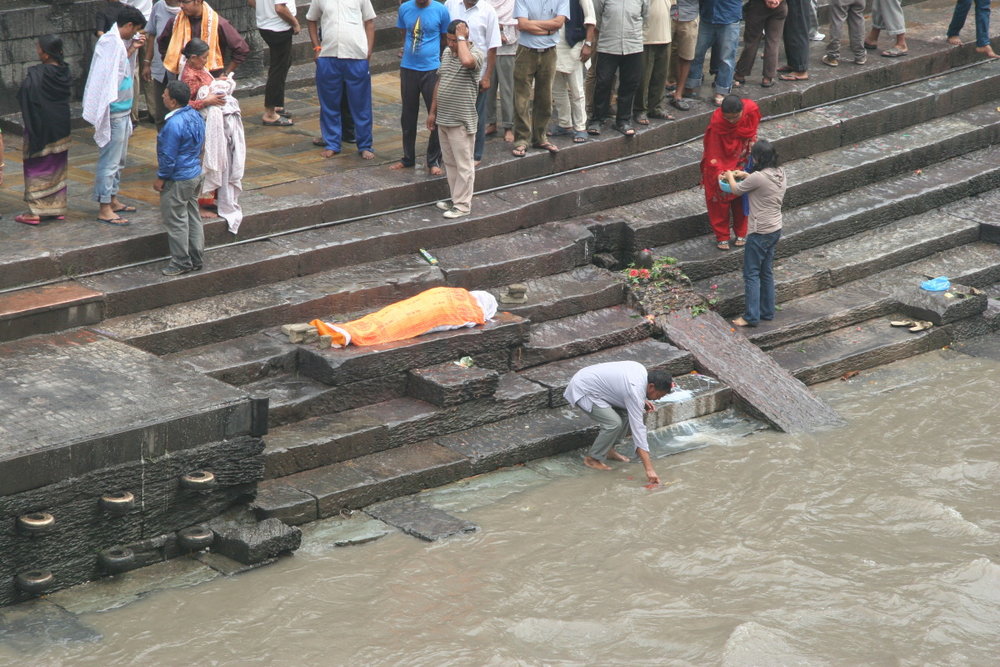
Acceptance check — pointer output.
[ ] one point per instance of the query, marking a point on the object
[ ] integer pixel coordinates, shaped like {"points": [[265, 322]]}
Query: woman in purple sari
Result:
{"points": [[44, 98]]}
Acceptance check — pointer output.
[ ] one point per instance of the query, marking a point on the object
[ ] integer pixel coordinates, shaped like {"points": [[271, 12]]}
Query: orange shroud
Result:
{"points": [[438, 306]]}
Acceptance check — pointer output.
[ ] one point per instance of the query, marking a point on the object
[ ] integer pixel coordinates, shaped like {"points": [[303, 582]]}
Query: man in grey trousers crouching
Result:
{"points": [[179, 178], [610, 393]]}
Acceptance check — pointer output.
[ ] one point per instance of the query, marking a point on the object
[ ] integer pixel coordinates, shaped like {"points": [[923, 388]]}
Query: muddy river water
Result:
{"points": [[875, 544]]}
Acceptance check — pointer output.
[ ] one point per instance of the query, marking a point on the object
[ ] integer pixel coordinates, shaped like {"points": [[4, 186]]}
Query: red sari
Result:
{"points": [[727, 146]]}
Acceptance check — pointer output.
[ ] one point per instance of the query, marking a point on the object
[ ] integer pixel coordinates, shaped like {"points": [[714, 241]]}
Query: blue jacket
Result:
{"points": [[179, 144]]}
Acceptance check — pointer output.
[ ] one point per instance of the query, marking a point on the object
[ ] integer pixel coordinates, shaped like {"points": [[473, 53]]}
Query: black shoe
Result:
{"points": [[198, 268], [174, 271], [349, 139]]}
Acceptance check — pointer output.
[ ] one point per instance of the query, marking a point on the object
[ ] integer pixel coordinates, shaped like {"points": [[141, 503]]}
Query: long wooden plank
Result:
{"points": [[762, 385]]}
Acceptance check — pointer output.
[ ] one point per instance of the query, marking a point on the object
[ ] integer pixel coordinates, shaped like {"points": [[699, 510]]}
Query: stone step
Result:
{"points": [[565, 294], [825, 171], [857, 347], [849, 259], [490, 345], [324, 492], [846, 214], [48, 308], [528, 253], [581, 334], [363, 241], [976, 264], [330, 438], [241, 313], [652, 354], [242, 360]]}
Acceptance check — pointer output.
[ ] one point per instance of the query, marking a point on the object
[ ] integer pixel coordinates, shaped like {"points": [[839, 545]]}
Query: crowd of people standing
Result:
{"points": [[592, 64]]}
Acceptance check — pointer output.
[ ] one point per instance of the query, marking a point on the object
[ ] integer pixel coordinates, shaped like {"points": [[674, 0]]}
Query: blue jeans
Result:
{"points": [[722, 39], [111, 160], [982, 20], [758, 277]]}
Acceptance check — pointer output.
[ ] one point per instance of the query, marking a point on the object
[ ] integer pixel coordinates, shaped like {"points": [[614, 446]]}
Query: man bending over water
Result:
{"points": [[609, 393]]}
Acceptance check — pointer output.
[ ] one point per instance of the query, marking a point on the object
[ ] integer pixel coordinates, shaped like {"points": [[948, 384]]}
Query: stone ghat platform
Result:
{"points": [[871, 175]]}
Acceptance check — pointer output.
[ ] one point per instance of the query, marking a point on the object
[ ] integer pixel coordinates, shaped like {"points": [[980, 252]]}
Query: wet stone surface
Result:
{"points": [[32, 626], [341, 531], [450, 384], [416, 518], [120, 590]]}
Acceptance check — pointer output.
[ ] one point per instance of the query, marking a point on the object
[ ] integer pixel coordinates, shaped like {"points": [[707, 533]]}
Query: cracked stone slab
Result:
{"points": [[341, 531], [419, 519]]}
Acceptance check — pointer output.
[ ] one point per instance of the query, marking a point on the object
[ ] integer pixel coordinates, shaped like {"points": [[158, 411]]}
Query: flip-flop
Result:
{"points": [[871, 47], [559, 132], [546, 146], [921, 325], [792, 77], [320, 141], [281, 122], [114, 222], [766, 84], [580, 137], [894, 53], [901, 323], [24, 220], [124, 209], [740, 241], [519, 151], [722, 245]]}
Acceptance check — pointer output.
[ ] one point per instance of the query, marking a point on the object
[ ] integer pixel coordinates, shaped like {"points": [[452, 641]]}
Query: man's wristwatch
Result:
{"points": [[461, 39], [588, 43]]}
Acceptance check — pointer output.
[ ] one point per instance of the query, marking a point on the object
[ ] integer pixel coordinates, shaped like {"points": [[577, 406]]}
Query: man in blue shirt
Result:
{"points": [[178, 179], [535, 63], [719, 31], [423, 23]]}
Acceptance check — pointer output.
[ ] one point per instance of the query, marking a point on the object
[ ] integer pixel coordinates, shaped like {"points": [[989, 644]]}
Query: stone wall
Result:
{"points": [[23, 21]]}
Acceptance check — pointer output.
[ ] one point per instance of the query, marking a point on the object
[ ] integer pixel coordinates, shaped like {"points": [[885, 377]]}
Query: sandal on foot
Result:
{"points": [[740, 241], [680, 103], [25, 220], [282, 121], [792, 77], [116, 221], [519, 151], [559, 131], [625, 129], [546, 146], [871, 47], [766, 83], [580, 137], [894, 52], [722, 245], [124, 209]]}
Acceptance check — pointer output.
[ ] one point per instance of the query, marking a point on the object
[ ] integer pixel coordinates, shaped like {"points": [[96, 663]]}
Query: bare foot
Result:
{"points": [[615, 456], [396, 166], [435, 170], [987, 51], [508, 136], [591, 462], [491, 129], [740, 322], [955, 40], [477, 163], [207, 214], [328, 153], [367, 155]]}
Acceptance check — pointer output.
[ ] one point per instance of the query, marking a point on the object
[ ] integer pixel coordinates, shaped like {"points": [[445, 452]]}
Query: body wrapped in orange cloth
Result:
{"points": [[436, 309]]}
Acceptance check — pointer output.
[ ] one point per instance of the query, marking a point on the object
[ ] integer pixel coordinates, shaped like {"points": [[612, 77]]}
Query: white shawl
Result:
{"points": [[224, 156], [109, 66]]}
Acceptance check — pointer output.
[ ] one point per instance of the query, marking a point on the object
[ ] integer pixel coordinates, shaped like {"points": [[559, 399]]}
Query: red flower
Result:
{"points": [[634, 273], [644, 273]]}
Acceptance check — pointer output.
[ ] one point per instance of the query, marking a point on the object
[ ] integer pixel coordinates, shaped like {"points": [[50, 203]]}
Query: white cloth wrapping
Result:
{"points": [[225, 152], [109, 66]]}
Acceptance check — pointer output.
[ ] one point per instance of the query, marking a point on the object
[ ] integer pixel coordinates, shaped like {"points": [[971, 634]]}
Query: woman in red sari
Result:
{"points": [[730, 134]]}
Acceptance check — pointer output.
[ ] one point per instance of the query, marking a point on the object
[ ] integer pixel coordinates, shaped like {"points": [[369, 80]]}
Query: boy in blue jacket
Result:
{"points": [[179, 178]]}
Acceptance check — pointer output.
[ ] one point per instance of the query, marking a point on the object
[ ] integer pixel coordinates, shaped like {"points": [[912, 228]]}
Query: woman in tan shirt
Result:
{"points": [[765, 188]]}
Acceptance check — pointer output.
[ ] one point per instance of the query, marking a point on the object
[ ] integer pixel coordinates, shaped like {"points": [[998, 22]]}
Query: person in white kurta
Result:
{"points": [[225, 151]]}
